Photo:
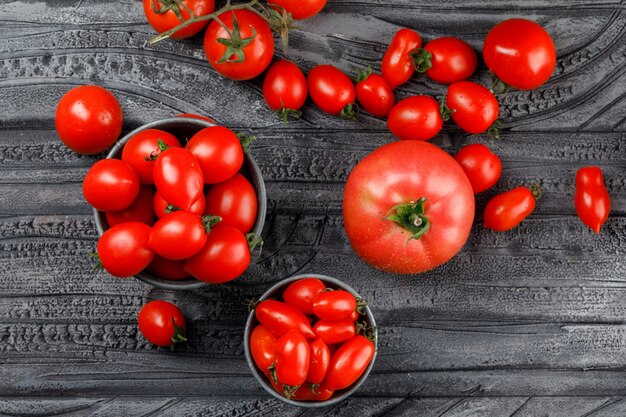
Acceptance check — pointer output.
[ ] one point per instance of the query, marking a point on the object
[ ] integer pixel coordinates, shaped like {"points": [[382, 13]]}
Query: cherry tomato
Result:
{"points": [[299, 9], [592, 200], [197, 116], [224, 257], [162, 323], [162, 208], [507, 210], [292, 358], [263, 347], [141, 210], [335, 331], [242, 51], [520, 53], [374, 94], [179, 235], [123, 249], [482, 167], [139, 150], [178, 177], [415, 118], [334, 305], [284, 88], [110, 185], [320, 359], [302, 293], [349, 363], [235, 201], [167, 268], [398, 64], [279, 318], [332, 91], [164, 15], [218, 152], [473, 107], [448, 60], [88, 119]]}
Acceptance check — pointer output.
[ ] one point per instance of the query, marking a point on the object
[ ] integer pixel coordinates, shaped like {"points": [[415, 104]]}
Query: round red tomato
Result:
{"points": [[415, 118], [334, 305], [141, 148], [299, 9], [88, 119], [591, 199], [279, 318], [164, 15], [520, 53], [408, 207], [320, 359], [448, 60], [167, 268], [349, 363], [123, 249], [398, 64], [505, 211], [218, 152], [301, 293], [263, 348], [292, 358], [473, 108], [162, 208], [335, 331], [242, 51], [178, 178], [332, 91], [109, 178], [284, 88], [141, 210], [235, 201], [374, 94], [179, 235], [482, 167], [162, 323]]}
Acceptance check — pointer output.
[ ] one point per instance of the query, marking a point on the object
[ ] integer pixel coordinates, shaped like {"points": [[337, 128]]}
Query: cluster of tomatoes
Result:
{"points": [[312, 343]]}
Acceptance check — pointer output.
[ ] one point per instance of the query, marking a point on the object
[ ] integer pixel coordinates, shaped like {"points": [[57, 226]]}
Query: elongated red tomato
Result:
{"points": [[162, 323], [285, 89], [292, 358], [110, 185], [482, 167], [218, 152], [592, 200], [320, 359], [178, 177], [263, 347], [164, 15], [334, 305], [349, 363], [335, 331], [302, 293], [167, 268], [473, 107], [448, 60], [141, 148], [398, 64], [162, 208], [179, 235], [235, 201], [123, 249], [279, 318], [141, 210], [415, 118], [374, 94], [332, 91], [507, 210], [299, 9]]}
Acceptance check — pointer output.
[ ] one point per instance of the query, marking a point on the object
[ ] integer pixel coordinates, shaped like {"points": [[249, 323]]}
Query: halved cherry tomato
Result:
{"points": [[302, 293], [279, 318], [320, 359], [335, 331], [473, 108], [197, 116], [162, 323], [415, 118], [164, 15], [162, 208], [141, 210], [218, 152], [178, 177], [123, 249], [349, 363], [263, 347], [398, 63], [180, 234], [448, 60], [507, 210], [374, 94], [292, 358], [332, 91], [141, 148], [334, 305], [110, 185], [235, 201], [299, 9], [592, 200], [167, 268], [482, 167], [285, 89]]}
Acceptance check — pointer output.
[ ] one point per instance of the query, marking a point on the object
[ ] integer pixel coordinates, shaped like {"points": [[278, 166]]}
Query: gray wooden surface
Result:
{"points": [[525, 323]]}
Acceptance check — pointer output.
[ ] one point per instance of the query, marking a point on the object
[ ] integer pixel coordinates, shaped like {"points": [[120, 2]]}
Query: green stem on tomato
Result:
{"points": [[411, 217], [422, 60], [208, 221], [536, 190]]}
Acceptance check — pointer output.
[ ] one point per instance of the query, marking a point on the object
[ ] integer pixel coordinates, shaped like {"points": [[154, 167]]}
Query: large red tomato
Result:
{"points": [[140, 150], [299, 9], [164, 15], [408, 207], [235, 202]]}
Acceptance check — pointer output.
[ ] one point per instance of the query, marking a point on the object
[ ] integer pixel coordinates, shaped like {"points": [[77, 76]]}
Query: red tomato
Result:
{"points": [[218, 151], [162, 323], [334, 305], [302, 292], [163, 208], [408, 207], [164, 15], [349, 363], [167, 268], [88, 119], [299, 9], [123, 249], [415, 118], [592, 200], [224, 257], [292, 358], [179, 235], [473, 107], [374, 94], [197, 116], [263, 347], [109, 178], [235, 202], [284, 88], [520, 53], [320, 359], [398, 64], [482, 167], [448, 60], [140, 210], [139, 150], [507, 210], [279, 318], [178, 177], [335, 331], [332, 91], [244, 50]]}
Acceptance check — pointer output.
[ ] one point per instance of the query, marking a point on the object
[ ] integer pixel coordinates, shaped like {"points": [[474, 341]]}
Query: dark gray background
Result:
{"points": [[525, 323]]}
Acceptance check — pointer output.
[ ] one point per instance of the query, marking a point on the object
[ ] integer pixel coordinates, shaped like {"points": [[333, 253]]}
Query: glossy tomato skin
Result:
{"points": [[349, 362], [330, 89], [156, 322], [224, 257], [452, 60], [167, 268], [299, 9], [263, 347], [284, 86], [520, 53], [141, 210], [123, 249], [397, 67], [144, 145], [292, 358], [591, 199], [474, 108], [482, 167], [319, 360], [280, 318], [178, 177], [415, 118], [301, 293], [399, 173], [177, 236], [107, 178], [218, 152], [334, 305], [88, 119], [235, 201], [505, 211], [335, 331], [162, 22], [375, 95], [258, 53], [161, 206]]}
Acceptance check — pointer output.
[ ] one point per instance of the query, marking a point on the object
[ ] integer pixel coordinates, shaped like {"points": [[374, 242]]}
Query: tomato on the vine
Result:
{"points": [[332, 91], [162, 323], [123, 249], [507, 210], [218, 151], [141, 150], [349, 363], [299, 9], [398, 61], [110, 185], [164, 15], [473, 108], [235, 201], [415, 118], [591, 199], [292, 358], [374, 94], [263, 347], [285, 89], [141, 210], [482, 167], [162, 208], [180, 234], [178, 177], [319, 361], [447, 60], [167, 268], [279, 318], [302, 293], [334, 305], [335, 331]]}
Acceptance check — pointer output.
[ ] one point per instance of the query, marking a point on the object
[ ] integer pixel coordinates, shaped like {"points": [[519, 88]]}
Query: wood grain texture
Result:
{"points": [[526, 323]]}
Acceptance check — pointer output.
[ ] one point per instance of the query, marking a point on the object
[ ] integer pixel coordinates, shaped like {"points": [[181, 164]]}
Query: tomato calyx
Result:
{"points": [[173, 5], [422, 60], [411, 217], [209, 220], [280, 22], [350, 112], [362, 74], [314, 388], [245, 140], [179, 334], [255, 242], [97, 266], [369, 332], [536, 190], [162, 147], [234, 43], [497, 85], [444, 110], [494, 130], [360, 306], [290, 390]]}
